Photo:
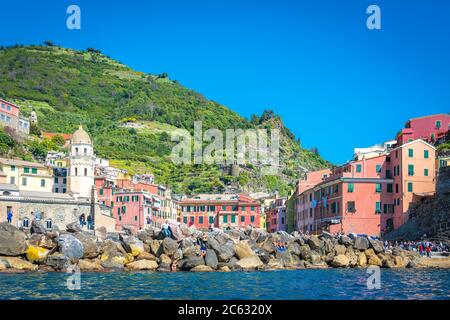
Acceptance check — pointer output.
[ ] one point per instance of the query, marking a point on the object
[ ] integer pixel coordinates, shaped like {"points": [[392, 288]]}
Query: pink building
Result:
{"points": [[10, 117], [276, 216], [371, 195], [355, 198], [133, 209], [220, 210], [413, 166], [427, 128]]}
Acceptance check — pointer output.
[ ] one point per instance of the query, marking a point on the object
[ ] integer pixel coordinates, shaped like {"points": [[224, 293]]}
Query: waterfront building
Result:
{"points": [[413, 166], [135, 209], [427, 128], [27, 175], [371, 195], [220, 211], [276, 215]]}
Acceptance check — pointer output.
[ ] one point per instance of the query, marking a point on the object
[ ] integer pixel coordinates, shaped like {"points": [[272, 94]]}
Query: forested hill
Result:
{"points": [[66, 88]]}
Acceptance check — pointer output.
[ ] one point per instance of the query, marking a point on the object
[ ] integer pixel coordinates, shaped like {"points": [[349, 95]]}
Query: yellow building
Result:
{"points": [[26, 175]]}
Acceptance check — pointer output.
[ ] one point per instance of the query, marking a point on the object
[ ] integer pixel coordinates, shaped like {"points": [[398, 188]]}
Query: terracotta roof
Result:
{"points": [[66, 136]]}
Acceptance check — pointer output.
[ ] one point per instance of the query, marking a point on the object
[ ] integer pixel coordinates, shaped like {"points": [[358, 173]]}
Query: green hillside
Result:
{"points": [[67, 88]]}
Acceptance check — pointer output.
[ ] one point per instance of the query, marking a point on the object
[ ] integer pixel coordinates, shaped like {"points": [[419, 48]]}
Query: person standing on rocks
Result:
{"points": [[203, 242], [166, 230], [9, 216], [82, 220], [89, 222]]}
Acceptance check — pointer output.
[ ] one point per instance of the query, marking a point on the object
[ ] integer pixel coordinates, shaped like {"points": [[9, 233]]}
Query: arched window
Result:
{"points": [[85, 151], [48, 223], [76, 150], [76, 171], [85, 171], [26, 223]]}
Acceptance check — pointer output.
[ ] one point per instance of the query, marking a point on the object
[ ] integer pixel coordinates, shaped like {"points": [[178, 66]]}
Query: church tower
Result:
{"points": [[81, 165]]}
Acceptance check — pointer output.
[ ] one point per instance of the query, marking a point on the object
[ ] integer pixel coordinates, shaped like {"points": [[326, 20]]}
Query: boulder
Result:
{"points": [[89, 265], [20, 264], [326, 235], [37, 227], [155, 247], [71, 247], [146, 256], [211, 259], [251, 262], [361, 243], [178, 255], [374, 261], [288, 260], [352, 257], [328, 246], [369, 253], [142, 265], [190, 262], [101, 233], [340, 249], [294, 248], [376, 245], [314, 258], [243, 250], [129, 230], [89, 241], [315, 243], [46, 241], [275, 264], [3, 264], [12, 240], [131, 244], [345, 240], [202, 268], [267, 245], [74, 227], [223, 251], [340, 261], [169, 246], [225, 269], [185, 231], [58, 261], [305, 251], [361, 260], [401, 262], [165, 259], [37, 254]]}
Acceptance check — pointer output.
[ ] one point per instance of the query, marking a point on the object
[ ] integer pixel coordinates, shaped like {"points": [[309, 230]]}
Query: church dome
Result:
{"points": [[81, 137]]}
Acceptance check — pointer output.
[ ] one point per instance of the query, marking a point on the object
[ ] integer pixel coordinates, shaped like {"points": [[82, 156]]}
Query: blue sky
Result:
{"points": [[336, 84]]}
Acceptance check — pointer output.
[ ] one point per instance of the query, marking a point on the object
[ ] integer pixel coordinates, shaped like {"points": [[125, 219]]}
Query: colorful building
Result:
{"points": [[371, 195], [135, 209], [413, 166], [10, 117], [220, 210], [427, 128], [276, 216], [26, 175]]}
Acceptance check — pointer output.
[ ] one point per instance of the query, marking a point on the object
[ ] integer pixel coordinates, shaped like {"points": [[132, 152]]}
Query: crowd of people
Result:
{"points": [[424, 247]]}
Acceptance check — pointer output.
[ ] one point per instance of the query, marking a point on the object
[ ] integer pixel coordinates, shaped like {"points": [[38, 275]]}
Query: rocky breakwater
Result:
{"points": [[231, 250]]}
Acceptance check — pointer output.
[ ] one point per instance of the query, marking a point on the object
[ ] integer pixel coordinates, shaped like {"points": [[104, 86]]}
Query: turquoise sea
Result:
{"points": [[283, 285]]}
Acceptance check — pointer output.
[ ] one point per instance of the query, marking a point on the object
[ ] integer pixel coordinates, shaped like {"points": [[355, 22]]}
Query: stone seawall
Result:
{"points": [[231, 250]]}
